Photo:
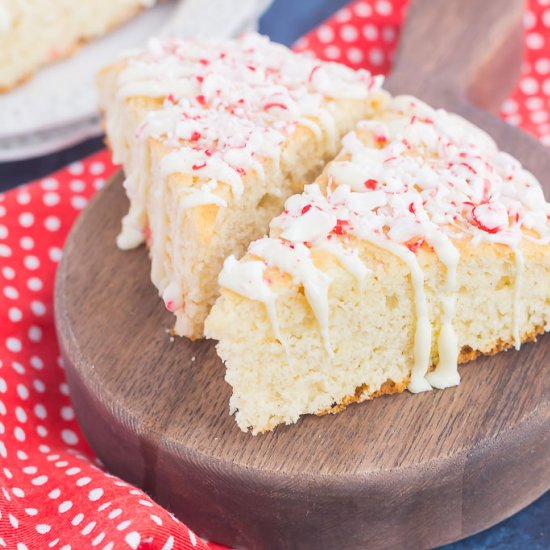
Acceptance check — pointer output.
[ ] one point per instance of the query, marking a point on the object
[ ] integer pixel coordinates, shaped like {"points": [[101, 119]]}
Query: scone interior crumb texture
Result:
{"points": [[419, 247], [33, 34], [213, 138]]}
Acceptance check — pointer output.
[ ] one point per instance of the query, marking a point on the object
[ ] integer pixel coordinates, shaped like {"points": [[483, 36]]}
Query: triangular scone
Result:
{"points": [[213, 138], [421, 245], [36, 33]]}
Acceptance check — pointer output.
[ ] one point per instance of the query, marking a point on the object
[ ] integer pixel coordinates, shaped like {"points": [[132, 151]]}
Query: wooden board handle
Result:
{"points": [[465, 56], [453, 49]]}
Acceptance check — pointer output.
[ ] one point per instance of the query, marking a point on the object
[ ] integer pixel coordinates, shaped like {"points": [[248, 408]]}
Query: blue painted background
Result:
{"points": [[285, 22]]}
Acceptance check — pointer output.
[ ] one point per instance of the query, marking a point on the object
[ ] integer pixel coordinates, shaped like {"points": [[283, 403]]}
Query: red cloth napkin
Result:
{"points": [[54, 492]]}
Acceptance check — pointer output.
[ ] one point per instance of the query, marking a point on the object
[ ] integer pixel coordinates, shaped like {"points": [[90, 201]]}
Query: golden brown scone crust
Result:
{"points": [[466, 354]]}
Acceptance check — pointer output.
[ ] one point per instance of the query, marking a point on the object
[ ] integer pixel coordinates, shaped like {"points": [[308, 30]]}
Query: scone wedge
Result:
{"points": [[213, 137], [421, 246], [36, 33]]}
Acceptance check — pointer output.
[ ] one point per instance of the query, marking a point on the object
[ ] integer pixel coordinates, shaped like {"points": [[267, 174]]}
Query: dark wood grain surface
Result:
{"points": [[401, 471]]}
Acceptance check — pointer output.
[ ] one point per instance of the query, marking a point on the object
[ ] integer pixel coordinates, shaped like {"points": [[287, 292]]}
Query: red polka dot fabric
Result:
{"points": [[54, 492], [363, 34]]}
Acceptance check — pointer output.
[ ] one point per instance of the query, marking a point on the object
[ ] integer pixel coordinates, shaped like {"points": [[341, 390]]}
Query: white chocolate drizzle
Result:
{"points": [[416, 178], [6, 19], [298, 263], [519, 264], [423, 332], [247, 279]]}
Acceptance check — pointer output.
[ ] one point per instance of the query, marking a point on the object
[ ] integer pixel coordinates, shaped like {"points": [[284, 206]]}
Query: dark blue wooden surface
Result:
{"points": [[285, 22]]}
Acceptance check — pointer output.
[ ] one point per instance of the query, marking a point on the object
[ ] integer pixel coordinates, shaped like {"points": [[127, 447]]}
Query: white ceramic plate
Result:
{"points": [[58, 107]]}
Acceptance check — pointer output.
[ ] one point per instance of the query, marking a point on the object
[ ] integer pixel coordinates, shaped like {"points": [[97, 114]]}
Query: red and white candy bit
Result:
{"points": [[341, 227], [490, 217], [172, 298], [371, 184], [312, 73], [274, 105], [414, 245], [147, 234]]}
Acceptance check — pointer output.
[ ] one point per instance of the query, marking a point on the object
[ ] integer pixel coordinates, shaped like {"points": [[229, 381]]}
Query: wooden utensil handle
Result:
{"points": [[453, 49], [533, 154]]}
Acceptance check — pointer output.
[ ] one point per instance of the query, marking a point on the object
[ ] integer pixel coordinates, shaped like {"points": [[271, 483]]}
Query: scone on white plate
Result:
{"points": [[34, 33], [213, 137], [421, 246]]}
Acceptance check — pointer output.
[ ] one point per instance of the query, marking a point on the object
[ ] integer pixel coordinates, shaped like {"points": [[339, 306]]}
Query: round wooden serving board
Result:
{"points": [[401, 471]]}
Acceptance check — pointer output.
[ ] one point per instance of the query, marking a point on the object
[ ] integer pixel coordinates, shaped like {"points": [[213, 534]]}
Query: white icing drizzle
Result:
{"points": [[298, 263], [518, 257], [159, 233], [415, 178], [247, 279], [423, 332], [185, 161], [199, 198], [446, 374], [172, 297], [5, 18], [348, 258], [132, 234]]}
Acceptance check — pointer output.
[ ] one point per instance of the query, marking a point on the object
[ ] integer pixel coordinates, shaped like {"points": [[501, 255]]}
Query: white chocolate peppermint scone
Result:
{"points": [[421, 246], [36, 32], [213, 138]]}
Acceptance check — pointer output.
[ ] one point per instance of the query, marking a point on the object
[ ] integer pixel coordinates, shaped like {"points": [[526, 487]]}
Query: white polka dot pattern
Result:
{"points": [[54, 492], [530, 103], [363, 34], [54, 495]]}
